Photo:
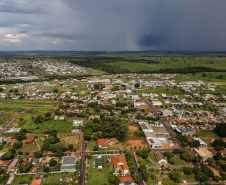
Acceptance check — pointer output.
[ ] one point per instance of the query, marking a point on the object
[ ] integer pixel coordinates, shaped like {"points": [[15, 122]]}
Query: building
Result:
{"points": [[185, 131], [29, 140], [68, 163], [204, 153], [159, 158], [155, 142], [145, 126], [100, 162], [126, 180], [105, 142], [202, 143], [11, 141], [156, 102], [37, 182], [120, 163], [77, 123]]}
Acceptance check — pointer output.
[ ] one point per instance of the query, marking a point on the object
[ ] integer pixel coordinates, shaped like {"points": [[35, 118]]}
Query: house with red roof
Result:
{"points": [[29, 140], [105, 142], [119, 163], [37, 182], [11, 141], [126, 180]]}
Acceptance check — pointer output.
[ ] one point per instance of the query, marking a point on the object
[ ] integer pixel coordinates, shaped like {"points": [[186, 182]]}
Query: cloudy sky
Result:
{"points": [[112, 25]]}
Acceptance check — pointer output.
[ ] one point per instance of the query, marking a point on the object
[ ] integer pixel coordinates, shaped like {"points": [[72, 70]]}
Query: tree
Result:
{"points": [[52, 162], [137, 85], [59, 154], [221, 129], [7, 156], [187, 157], [58, 147], [136, 178], [175, 176], [17, 145], [201, 177], [71, 147], [37, 154], [95, 148], [187, 170]]}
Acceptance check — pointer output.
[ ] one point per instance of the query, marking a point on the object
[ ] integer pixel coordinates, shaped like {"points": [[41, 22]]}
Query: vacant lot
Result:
{"points": [[138, 142], [95, 176], [204, 134], [70, 138], [5, 118], [30, 148], [19, 178], [132, 129]]}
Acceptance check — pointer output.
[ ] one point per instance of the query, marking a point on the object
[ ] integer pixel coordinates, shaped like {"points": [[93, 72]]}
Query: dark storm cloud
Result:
{"points": [[116, 25]]}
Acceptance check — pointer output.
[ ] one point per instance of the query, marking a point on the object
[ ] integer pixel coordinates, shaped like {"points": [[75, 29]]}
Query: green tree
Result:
{"points": [[95, 148], [201, 177], [52, 162]]}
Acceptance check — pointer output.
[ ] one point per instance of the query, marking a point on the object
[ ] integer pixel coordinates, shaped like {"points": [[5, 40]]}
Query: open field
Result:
{"points": [[138, 142], [189, 178], [70, 138], [95, 176], [19, 178], [5, 118], [207, 134], [56, 177]]}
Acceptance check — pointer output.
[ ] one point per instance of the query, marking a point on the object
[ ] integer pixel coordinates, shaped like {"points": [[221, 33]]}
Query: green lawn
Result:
{"points": [[96, 176], [207, 133], [179, 161], [56, 177], [19, 178], [152, 181], [152, 156], [166, 180], [190, 178], [30, 148]]}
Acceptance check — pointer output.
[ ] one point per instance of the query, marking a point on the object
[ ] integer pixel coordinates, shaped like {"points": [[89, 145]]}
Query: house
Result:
{"points": [[100, 162], [24, 183], [37, 182], [68, 163], [105, 142], [159, 158], [119, 163], [126, 180], [11, 141], [204, 153], [77, 123], [29, 140]]}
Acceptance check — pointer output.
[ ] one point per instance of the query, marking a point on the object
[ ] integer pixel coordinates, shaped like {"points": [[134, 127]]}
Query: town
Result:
{"points": [[126, 128]]}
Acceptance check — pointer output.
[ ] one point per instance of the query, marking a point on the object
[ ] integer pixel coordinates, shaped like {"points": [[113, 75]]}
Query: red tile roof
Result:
{"points": [[29, 140], [126, 178], [119, 162], [36, 182], [11, 140]]}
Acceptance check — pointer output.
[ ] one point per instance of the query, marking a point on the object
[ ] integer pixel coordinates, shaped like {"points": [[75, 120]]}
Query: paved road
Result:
{"points": [[81, 180], [172, 133]]}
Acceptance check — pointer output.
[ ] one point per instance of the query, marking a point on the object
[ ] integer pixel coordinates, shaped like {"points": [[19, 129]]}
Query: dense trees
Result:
{"points": [[175, 176], [17, 145], [221, 129], [110, 127]]}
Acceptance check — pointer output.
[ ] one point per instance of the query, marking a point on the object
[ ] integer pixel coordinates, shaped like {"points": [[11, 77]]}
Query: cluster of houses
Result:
{"points": [[57, 67], [12, 69]]}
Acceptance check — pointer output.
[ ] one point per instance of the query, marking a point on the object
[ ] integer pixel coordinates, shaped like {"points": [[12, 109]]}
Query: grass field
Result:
{"points": [[5, 118], [96, 176], [152, 157], [190, 178], [207, 133], [56, 177], [30, 148], [19, 178]]}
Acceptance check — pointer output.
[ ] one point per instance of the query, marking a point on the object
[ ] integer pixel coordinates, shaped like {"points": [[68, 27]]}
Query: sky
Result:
{"points": [[113, 25]]}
